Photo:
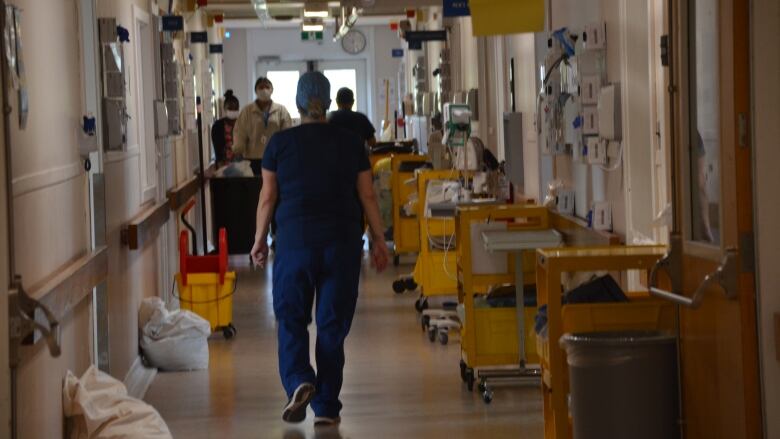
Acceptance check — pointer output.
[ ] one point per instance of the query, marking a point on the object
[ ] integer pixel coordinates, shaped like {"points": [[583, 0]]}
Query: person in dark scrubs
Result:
{"points": [[350, 120], [222, 131], [320, 175]]}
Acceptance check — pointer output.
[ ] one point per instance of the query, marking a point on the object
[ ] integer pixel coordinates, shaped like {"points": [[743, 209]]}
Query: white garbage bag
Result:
{"points": [[99, 408], [173, 340]]}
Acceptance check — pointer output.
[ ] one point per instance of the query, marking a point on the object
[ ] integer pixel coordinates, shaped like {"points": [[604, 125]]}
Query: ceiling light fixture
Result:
{"points": [[313, 25]]}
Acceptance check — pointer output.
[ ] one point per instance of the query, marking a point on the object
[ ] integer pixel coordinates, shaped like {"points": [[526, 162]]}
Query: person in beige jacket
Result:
{"points": [[257, 122]]}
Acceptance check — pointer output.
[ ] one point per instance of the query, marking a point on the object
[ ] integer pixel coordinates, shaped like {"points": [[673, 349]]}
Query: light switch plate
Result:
{"points": [[602, 216]]}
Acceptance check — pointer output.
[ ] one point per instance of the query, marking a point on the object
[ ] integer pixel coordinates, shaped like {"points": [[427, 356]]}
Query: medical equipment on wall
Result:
{"points": [[417, 128], [115, 115]]}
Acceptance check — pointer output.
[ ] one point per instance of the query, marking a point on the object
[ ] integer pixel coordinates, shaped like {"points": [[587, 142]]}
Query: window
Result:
{"points": [[285, 88], [341, 78]]}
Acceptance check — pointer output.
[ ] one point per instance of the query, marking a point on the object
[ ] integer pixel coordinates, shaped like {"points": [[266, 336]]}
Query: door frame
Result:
{"points": [[736, 202], [141, 19]]}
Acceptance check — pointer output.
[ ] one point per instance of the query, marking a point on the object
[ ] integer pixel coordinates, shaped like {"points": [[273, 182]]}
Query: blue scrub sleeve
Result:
{"points": [[269, 156]]}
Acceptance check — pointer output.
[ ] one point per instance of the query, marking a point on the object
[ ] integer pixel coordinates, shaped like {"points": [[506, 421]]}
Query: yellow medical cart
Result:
{"points": [[406, 230], [436, 269], [493, 338], [639, 313]]}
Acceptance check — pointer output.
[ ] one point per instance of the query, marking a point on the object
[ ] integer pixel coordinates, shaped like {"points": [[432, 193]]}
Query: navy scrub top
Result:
{"points": [[316, 168]]}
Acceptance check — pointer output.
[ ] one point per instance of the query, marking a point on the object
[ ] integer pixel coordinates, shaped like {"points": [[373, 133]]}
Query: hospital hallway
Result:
{"points": [[397, 384]]}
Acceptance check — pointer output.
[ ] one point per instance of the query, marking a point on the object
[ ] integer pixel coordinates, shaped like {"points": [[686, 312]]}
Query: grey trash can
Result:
{"points": [[623, 385]]}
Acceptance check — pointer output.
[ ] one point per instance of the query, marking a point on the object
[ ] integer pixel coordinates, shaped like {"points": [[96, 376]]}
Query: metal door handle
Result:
{"points": [[725, 276]]}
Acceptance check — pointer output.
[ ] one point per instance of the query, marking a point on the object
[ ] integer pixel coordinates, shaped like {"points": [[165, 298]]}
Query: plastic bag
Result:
{"points": [[236, 169], [551, 198], [99, 407], [173, 341]]}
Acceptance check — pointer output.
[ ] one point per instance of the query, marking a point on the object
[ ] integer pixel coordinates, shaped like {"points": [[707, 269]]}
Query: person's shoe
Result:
{"points": [[295, 410], [324, 421]]}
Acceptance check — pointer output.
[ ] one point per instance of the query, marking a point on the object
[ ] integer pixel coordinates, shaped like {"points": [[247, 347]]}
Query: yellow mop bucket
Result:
{"points": [[206, 287]]}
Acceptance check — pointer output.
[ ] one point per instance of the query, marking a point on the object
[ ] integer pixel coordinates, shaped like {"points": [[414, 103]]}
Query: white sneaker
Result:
{"points": [[295, 410]]}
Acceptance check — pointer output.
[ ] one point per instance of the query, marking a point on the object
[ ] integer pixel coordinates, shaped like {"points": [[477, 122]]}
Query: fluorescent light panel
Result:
{"points": [[313, 27], [315, 14]]}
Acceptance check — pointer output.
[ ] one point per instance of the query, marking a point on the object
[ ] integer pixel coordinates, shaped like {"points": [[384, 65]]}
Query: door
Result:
{"points": [[284, 76], [711, 257], [350, 74]]}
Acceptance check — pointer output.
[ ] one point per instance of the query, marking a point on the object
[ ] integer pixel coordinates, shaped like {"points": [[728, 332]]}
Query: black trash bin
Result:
{"points": [[234, 207], [623, 385]]}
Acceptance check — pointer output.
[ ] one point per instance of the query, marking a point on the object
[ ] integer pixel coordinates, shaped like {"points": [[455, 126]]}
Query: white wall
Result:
{"points": [[766, 95], [246, 45]]}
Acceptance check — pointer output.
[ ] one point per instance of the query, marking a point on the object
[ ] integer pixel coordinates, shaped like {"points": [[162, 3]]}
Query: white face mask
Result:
{"points": [[231, 114], [264, 94]]}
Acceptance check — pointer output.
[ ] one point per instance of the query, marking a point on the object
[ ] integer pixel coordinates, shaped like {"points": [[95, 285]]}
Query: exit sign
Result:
{"points": [[312, 36]]}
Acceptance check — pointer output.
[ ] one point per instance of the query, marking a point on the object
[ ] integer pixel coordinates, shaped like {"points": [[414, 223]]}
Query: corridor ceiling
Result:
{"points": [[242, 9]]}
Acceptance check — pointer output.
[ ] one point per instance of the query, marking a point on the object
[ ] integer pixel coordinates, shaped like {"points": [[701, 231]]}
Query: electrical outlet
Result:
{"points": [[597, 154], [602, 216], [595, 36], [590, 121], [565, 201], [589, 90]]}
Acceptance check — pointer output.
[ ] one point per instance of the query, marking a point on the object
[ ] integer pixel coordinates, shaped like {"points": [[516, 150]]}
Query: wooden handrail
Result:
{"points": [[142, 228], [180, 194], [69, 285]]}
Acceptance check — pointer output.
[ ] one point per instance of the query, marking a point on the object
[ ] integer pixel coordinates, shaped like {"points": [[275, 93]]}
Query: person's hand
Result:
{"points": [[380, 255], [259, 252]]}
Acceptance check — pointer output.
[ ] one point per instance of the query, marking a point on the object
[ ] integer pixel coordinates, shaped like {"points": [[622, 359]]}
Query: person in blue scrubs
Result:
{"points": [[321, 177]]}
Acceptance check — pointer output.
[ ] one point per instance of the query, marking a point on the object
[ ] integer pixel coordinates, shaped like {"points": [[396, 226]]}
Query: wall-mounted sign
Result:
{"points": [[172, 23], [398, 53], [456, 8], [422, 36], [502, 17], [216, 48], [199, 37], [312, 36], [415, 45]]}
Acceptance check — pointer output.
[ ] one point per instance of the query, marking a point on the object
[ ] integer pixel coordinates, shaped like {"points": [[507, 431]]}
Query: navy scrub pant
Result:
{"points": [[330, 277]]}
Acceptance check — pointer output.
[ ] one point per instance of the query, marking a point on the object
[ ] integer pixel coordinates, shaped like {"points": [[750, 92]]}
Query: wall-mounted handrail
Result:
{"points": [[183, 192], [144, 226], [55, 296]]}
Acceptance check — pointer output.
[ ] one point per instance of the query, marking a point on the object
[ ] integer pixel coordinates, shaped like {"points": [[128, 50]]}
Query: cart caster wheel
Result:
{"points": [[421, 304], [443, 338], [470, 379], [482, 386], [229, 332], [463, 371], [426, 322], [432, 334], [410, 284], [396, 260], [398, 286], [487, 396]]}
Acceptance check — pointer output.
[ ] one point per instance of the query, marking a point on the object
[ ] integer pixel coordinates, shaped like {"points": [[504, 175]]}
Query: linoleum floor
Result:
{"points": [[397, 384]]}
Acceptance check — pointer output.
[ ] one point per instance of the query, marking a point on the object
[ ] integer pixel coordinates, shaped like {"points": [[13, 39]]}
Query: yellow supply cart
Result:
{"points": [[406, 229], [436, 269], [497, 244], [640, 313], [206, 287]]}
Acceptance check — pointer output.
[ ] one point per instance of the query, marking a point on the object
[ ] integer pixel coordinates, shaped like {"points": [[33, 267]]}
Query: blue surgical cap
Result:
{"points": [[313, 86]]}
